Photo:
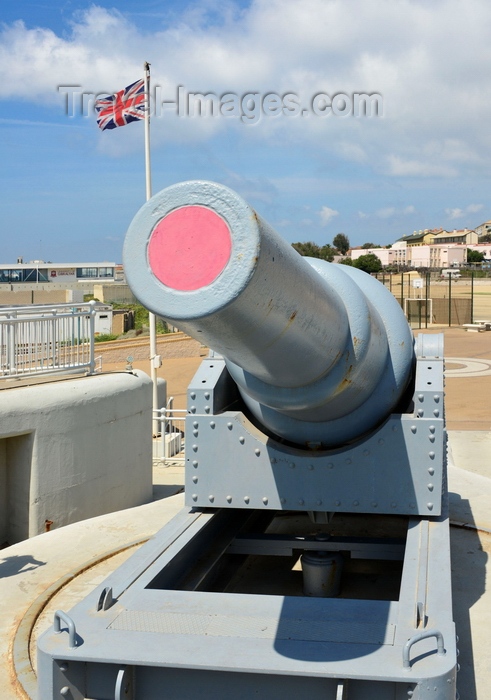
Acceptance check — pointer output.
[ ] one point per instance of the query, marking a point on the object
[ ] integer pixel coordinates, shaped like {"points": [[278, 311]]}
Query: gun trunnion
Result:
{"points": [[315, 442]]}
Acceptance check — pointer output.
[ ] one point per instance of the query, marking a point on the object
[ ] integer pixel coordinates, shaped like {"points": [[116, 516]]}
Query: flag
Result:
{"points": [[123, 107]]}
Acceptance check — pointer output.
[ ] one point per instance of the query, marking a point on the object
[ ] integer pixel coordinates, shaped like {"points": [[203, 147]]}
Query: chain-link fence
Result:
{"points": [[428, 298]]}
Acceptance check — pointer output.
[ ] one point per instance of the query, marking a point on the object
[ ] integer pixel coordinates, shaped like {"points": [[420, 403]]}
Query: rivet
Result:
{"points": [[211, 498], [195, 433], [330, 465], [412, 505], [192, 409], [292, 465], [195, 448], [420, 412], [229, 499], [393, 504], [207, 409], [273, 460], [431, 471], [241, 440], [311, 467], [195, 424], [431, 438], [64, 666], [436, 398], [195, 463], [195, 496], [283, 501], [246, 499], [337, 503], [394, 428], [257, 451], [432, 428], [212, 424], [413, 428], [381, 441], [301, 501], [429, 506], [230, 426], [430, 487], [374, 504], [195, 479], [431, 455], [192, 395], [207, 395], [356, 503], [366, 452], [347, 461], [421, 397], [265, 501], [436, 412], [319, 502], [64, 691]]}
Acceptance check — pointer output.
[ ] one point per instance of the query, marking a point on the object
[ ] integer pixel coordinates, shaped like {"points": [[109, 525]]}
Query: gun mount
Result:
{"points": [[313, 554]]}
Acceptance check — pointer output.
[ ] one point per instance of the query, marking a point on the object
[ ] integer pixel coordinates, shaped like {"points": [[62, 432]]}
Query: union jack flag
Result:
{"points": [[123, 107]]}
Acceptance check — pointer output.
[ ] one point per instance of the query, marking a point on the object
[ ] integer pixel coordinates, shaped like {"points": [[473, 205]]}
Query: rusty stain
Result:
{"points": [[293, 315], [47, 525]]}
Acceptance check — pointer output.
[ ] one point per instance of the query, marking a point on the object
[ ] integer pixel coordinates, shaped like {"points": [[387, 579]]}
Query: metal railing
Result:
{"points": [[168, 447], [42, 339]]}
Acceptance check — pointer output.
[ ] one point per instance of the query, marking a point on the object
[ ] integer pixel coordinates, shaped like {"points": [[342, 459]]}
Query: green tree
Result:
{"points": [[366, 246], [308, 248], [368, 263], [485, 239], [327, 252], [346, 261], [341, 242], [474, 256]]}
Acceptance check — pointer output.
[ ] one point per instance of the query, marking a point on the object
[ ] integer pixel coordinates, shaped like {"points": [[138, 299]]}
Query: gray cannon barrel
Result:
{"points": [[321, 353]]}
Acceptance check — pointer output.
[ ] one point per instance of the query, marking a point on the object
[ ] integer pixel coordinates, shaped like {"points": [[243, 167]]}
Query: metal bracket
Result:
{"points": [[124, 684], [417, 638], [106, 599], [72, 632], [342, 690]]}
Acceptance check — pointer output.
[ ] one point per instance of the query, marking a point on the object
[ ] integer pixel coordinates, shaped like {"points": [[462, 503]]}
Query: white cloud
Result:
{"points": [[436, 92], [473, 208], [415, 168], [363, 215], [455, 213], [386, 212], [410, 209], [326, 214], [458, 213]]}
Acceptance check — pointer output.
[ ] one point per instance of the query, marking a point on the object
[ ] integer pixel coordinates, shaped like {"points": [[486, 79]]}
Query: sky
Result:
{"points": [[288, 133]]}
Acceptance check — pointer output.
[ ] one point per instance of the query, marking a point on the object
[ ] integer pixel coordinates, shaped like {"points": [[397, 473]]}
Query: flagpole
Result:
{"points": [[155, 360]]}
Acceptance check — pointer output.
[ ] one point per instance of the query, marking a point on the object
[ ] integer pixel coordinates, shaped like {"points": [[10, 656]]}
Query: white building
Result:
{"points": [[38, 271], [437, 256], [388, 256]]}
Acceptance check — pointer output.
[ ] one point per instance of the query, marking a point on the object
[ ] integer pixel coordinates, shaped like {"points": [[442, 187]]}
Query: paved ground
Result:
{"points": [[32, 571]]}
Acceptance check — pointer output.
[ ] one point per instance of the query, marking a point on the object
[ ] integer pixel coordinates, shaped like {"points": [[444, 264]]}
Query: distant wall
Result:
{"points": [[72, 449], [109, 293], [26, 297]]}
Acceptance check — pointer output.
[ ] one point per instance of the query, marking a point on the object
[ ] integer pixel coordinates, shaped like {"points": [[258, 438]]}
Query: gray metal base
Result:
{"points": [[199, 610]]}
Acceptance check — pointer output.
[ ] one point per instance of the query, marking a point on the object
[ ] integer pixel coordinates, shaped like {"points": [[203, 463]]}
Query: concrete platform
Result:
{"points": [[55, 569]]}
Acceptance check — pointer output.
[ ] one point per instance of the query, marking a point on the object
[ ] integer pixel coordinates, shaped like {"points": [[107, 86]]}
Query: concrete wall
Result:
{"points": [[40, 296], [109, 293], [72, 449]]}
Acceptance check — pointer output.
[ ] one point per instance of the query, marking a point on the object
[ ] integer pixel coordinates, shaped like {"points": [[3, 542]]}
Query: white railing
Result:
{"points": [[168, 447], [42, 339]]}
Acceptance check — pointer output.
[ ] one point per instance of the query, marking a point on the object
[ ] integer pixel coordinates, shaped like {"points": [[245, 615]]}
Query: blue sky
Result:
{"points": [[68, 191]]}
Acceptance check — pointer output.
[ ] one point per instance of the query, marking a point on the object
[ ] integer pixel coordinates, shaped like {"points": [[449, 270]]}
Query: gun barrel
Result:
{"points": [[321, 353]]}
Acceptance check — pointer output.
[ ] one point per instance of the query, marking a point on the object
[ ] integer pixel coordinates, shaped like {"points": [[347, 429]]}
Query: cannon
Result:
{"points": [[312, 554]]}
